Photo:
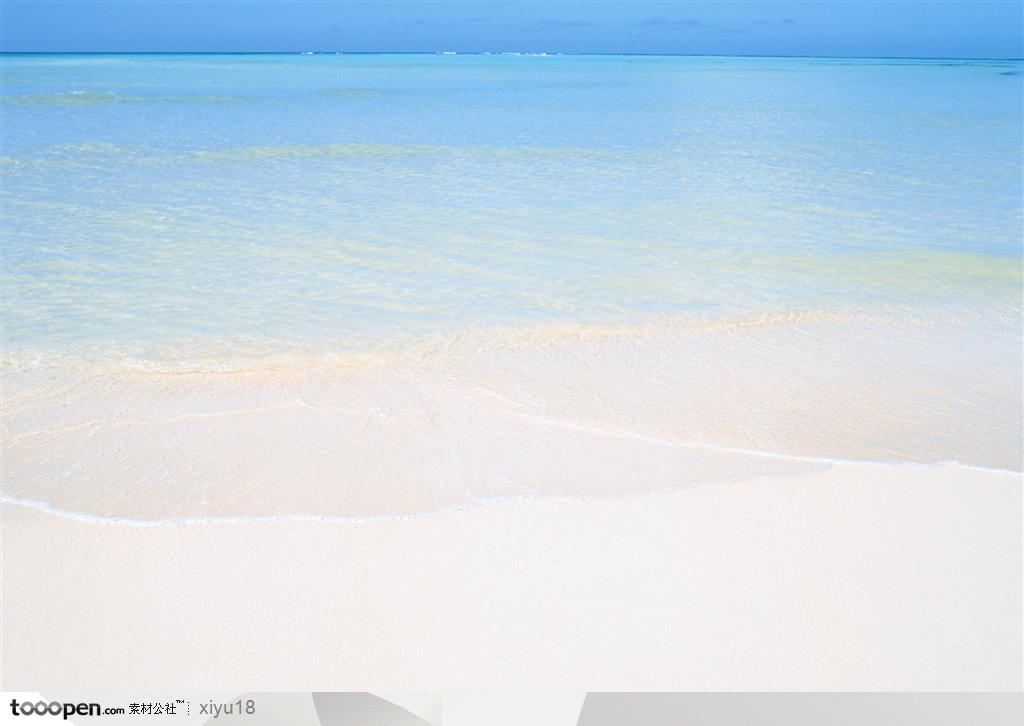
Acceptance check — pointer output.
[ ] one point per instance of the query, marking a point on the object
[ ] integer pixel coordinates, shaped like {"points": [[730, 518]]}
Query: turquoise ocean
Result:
{"points": [[216, 210]]}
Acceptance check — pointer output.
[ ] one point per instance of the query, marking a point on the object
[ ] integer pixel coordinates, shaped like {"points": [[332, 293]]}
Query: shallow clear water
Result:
{"points": [[176, 208]]}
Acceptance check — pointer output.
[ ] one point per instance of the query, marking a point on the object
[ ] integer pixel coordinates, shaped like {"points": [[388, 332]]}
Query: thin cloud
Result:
{"points": [[669, 23], [568, 23]]}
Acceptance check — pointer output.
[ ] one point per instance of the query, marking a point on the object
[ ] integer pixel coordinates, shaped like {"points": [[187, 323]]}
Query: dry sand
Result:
{"points": [[856, 577]]}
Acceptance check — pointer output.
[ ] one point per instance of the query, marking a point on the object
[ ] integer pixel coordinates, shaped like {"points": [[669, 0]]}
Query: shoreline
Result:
{"points": [[276, 357], [48, 508], [541, 414]]}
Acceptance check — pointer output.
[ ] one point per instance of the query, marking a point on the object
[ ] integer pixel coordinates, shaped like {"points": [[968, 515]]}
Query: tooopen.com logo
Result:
{"points": [[56, 708]]}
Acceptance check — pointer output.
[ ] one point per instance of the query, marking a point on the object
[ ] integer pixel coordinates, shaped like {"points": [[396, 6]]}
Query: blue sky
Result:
{"points": [[978, 29]]}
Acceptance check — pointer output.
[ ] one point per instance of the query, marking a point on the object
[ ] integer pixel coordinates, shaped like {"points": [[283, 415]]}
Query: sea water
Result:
{"points": [[365, 285], [164, 209]]}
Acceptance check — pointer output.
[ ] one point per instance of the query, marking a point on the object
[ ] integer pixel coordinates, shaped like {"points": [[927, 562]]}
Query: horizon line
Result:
{"points": [[498, 52]]}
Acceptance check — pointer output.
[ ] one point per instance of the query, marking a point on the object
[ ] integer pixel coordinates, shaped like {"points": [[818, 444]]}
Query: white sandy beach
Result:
{"points": [[572, 509], [851, 578]]}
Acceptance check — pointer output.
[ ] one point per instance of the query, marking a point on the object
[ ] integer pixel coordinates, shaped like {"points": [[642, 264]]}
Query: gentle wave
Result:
{"points": [[92, 153], [88, 98], [248, 354], [469, 505]]}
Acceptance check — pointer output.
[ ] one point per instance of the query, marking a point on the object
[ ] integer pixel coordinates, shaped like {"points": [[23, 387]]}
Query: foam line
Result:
{"points": [[472, 503]]}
